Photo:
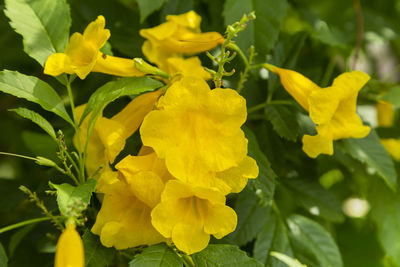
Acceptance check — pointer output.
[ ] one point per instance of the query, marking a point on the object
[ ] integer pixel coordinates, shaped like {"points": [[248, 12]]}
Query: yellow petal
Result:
{"points": [[350, 82], [323, 104], [220, 221], [111, 134], [187, 67], [393, 147], [190, 19], [95, 32], [57, 64], [190, 43], [116, 66], [159, 32], [190, 238], [385, 113], [69, 252], [318, 144]]}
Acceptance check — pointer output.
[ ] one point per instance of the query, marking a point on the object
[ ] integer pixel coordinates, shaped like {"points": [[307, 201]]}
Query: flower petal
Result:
{"points": [[69, 250], [95, 32], [117, 66], [190, 238], [57, 64], [318, 144], [220, 221]]}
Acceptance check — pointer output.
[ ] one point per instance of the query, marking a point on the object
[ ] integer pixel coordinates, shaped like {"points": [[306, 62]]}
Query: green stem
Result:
{"points": [[188, 260], [20, 224], [17, 155]]}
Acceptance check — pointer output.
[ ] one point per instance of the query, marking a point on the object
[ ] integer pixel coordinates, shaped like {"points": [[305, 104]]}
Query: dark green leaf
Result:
{"points": [[34, 90], [96, 255], [264, 185], [264, 31], [176, 7], [157, 255], [370, 151], [17, 237], [40, 144], [283, 120], [43, 24], [223, 255], [312, 244], [36, 118], [316, 199], [148, 6], [3, 257], [272, 237], [69, 196], [393, 96]]}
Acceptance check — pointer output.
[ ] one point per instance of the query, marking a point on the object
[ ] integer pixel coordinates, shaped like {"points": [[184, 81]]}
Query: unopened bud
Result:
{"points": [[45, 162], [145, 67]]}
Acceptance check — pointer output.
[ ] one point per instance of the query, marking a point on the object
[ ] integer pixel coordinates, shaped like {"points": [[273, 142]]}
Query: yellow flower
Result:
{"points": [[197, 130], [69, 252], [189, 215], [83, 55], [179, 35], [187, 67], [392, 146], [130, 194], [332, 109], [385, 113], [109, 135]]}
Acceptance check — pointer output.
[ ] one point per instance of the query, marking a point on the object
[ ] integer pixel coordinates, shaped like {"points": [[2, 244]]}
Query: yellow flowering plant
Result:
{"points": [[194, 139]]}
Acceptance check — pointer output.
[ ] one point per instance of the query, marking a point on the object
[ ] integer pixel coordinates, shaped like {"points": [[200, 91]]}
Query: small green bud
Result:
{"points": [[145, 67], [45, 162]]}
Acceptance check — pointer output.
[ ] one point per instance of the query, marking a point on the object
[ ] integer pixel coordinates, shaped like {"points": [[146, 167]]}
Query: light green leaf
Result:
{"points": [[370, 151], [264, 185], [34, 90], [3, 257], [96, 255], [251, 218], [43, 24], [272, 237], [393, 96], [283, 120], [69, 196], [327, 35], [147, 7], [36, 118], [286, 259], [316, 199], [223, 255], [264, 31], [312, 244], [157, 255]]}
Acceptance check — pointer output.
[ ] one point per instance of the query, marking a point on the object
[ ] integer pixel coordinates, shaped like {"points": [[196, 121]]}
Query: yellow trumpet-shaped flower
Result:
{"points": [[69, 252], [130, 194], [332, 109], [179, 35], [392, 146], [108, 136], [189, 215], [197, 130], [385, 113], [83, 55]]}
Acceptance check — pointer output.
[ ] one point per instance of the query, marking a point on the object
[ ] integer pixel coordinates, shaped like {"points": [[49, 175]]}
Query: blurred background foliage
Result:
{"points": [[320, 39]]}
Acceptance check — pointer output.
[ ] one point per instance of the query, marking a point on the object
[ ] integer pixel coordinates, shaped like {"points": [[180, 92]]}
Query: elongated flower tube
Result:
{"points": [[197, 131], [129, 196], [189, 215], [69, 251], [83, 55], [332, 109], [109, 135]]}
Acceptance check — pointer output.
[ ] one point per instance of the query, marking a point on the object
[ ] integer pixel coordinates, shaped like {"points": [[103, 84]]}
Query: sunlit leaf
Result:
{"points": [[157, 255]]}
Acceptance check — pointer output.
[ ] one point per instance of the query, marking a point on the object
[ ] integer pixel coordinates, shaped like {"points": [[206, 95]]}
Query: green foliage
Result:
{"points": [[157, 255], [283, 121], [3, 256], [147, 7], [393, 96], [96, 255], [43, 24]]}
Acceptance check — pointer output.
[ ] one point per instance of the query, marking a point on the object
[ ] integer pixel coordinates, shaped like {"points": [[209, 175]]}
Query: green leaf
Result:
{"points": [[286, 259], [69, 196], [312, 244], [370, 151], [36, 118], [316, 199], [176, 7], [34, 90], [43, 24], [96, 255], [329, 36], [264, 31], [157, 255], [251, 218], [223, 255], [393, 96], [264, 185], [272, 237], [17, 237], [3, 256], [283, 120], [147, 7], [41, 144]]}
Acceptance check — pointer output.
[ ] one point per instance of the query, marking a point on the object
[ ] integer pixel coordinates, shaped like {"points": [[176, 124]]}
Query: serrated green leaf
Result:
{"points": [[147, 7], [316, 199], [36, 118], [68, 195], [3, 257], [251, 218], [43, 24], [283, 120], [34, 90], [264, 31], [157, 255], [96, 255], [312, 244], [370, 151], [264, 185], [393, 96], [223, 255], [272, 237]]}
